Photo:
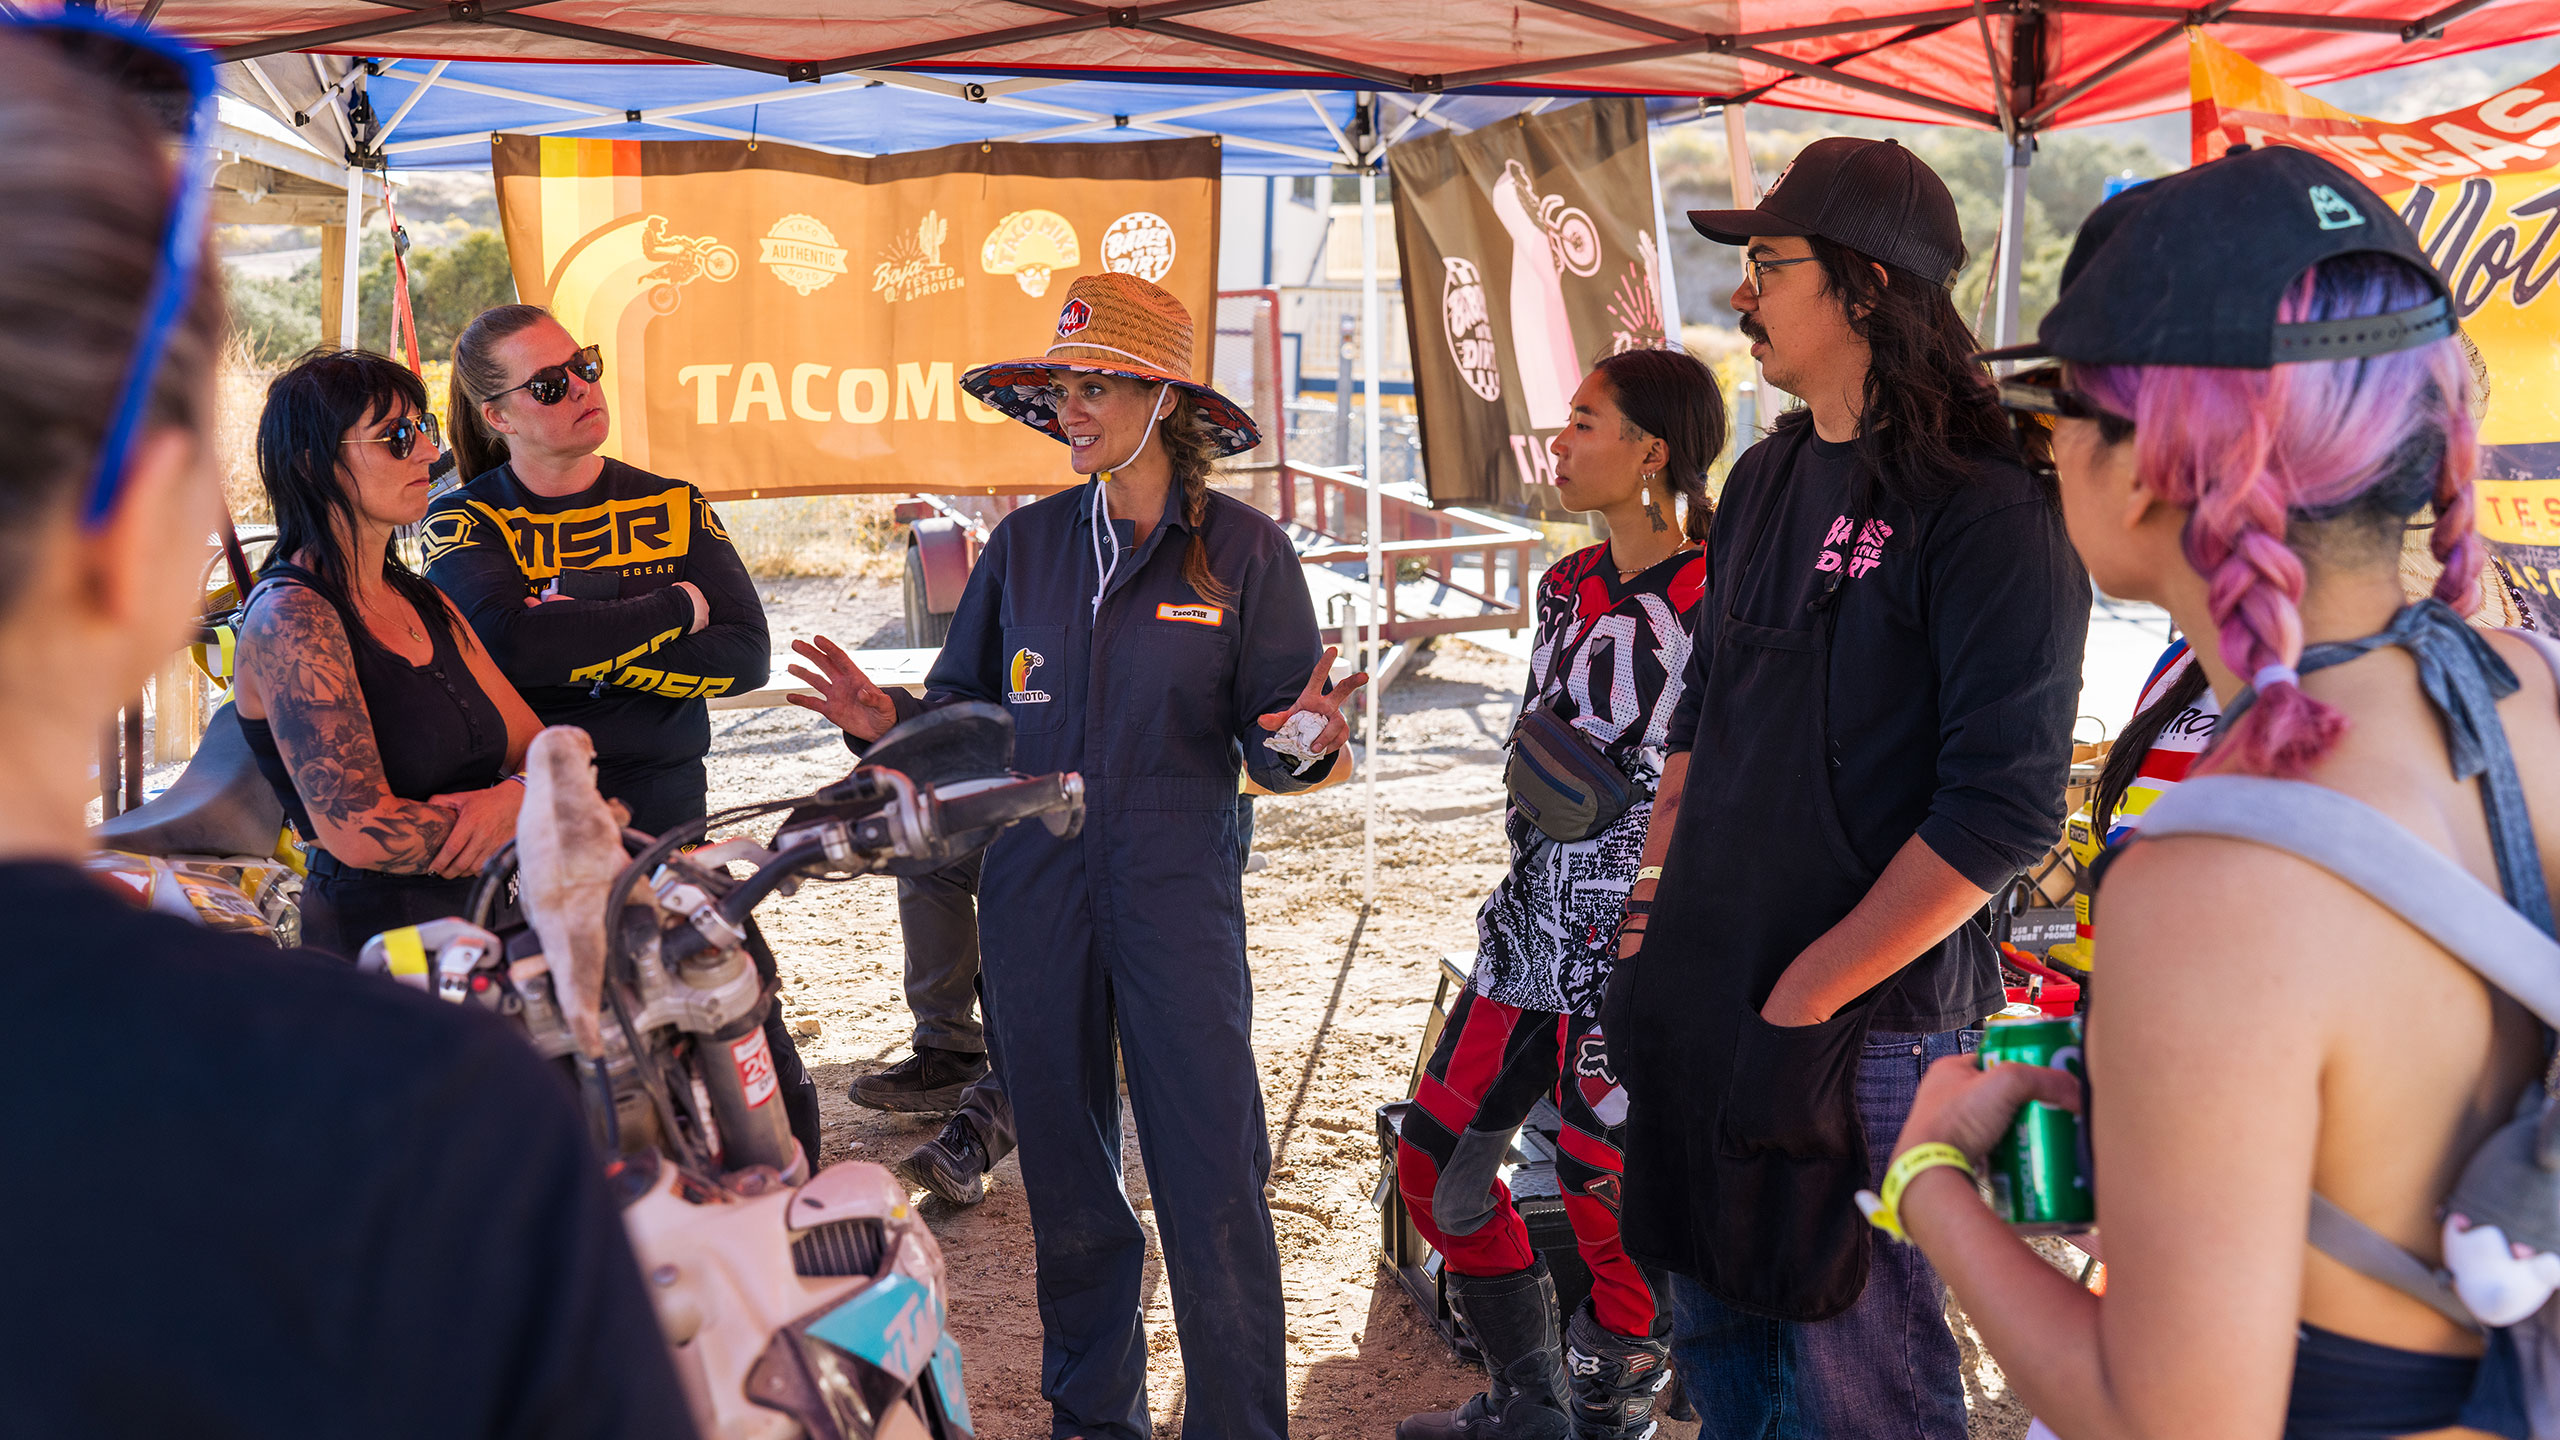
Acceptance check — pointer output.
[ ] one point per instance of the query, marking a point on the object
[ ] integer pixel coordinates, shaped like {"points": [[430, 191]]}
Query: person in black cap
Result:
{"points": [[1873, 738], [2261, 393]]}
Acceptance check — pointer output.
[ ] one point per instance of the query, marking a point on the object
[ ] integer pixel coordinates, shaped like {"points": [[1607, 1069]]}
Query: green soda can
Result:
{"points": [[2040, 1169]]}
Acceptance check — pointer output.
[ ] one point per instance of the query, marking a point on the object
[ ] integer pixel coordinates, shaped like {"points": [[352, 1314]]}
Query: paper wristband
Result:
{"points": [[1885, 1213]]}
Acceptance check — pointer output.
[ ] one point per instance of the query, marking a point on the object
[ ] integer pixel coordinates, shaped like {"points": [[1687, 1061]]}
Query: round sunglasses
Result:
{"points": [[550, 384], [404, 434]]}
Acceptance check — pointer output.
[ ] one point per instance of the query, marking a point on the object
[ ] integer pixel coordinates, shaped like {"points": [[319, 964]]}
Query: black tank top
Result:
{"points": [[439, 733]]}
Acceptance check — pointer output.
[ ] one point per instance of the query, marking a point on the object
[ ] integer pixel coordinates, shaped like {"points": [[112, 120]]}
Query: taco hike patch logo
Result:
{"points": [[802, 253], [1024, 662]]}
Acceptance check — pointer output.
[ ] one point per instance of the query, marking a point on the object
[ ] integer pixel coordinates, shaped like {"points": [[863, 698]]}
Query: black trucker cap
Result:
{"points": [[2188, 269], [1871, 195]]}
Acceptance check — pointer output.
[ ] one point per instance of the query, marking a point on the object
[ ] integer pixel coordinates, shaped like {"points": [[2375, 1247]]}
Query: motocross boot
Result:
{"points": [[1614, 1378], [1513, 1318]]}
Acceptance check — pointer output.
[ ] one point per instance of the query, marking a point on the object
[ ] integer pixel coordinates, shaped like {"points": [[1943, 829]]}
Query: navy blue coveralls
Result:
{"points": [[1138, 924]]}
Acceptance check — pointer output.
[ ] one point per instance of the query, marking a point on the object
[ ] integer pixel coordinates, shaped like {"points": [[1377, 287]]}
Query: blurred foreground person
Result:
{"points": [[263, 1195], [2355, 872]]}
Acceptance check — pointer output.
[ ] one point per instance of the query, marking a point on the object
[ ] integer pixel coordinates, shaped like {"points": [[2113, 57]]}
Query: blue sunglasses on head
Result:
{"points": [[174, 83]]}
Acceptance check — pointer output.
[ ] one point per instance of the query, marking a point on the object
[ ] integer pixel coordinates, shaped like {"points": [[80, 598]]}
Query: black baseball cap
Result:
{"points": [[2189, 269], [1871, 195]]}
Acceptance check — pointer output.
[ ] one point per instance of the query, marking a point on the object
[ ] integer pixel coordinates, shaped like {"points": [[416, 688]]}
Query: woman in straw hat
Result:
{"points": [[1150, 633]]}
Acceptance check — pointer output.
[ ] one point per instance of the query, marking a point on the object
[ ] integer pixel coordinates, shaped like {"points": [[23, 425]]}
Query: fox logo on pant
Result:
{"points": [[1597, 1080]]}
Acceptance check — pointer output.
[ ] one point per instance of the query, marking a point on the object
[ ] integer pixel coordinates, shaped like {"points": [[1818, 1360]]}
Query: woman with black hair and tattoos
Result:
{"points": [[376, 713]]}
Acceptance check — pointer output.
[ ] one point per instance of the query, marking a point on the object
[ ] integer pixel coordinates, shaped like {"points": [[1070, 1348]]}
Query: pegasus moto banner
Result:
{"points": [[1528, 252], [780, 321], [2481, 186]]}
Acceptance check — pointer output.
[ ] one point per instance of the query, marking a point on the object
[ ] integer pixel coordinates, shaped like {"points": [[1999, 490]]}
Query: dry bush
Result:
{"points": [[240, 394], [857, 536]]}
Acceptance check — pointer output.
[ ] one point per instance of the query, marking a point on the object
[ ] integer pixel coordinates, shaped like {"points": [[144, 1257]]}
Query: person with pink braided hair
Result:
{"points": [[2310, 1039]]}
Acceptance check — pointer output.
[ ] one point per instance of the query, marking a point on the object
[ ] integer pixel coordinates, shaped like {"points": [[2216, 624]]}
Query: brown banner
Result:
{"points": [[779, 321], [1528, 251]]}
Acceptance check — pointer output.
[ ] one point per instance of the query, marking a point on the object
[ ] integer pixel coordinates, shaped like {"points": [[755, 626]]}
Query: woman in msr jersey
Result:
{"points": [[1612, 646], [610, 596]]}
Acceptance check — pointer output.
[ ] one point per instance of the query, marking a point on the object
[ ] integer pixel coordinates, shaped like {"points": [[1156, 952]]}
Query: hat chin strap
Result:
{"points": [[1102, 510]]}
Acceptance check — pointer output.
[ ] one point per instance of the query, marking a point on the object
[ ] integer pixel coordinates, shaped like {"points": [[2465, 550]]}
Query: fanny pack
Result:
{"points": [[1559, 779]]}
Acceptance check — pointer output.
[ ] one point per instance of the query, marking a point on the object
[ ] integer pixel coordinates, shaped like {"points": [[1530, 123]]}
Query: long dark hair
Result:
{"points": [[310, 408], [1928, 411], [477, 375], [2133, 745], [1191, 445], [1669, 395], [84, 197]]}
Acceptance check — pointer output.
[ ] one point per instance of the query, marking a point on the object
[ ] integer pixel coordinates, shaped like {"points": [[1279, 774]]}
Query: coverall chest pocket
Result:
{"points": [[1035, 677], [1178, 676]]}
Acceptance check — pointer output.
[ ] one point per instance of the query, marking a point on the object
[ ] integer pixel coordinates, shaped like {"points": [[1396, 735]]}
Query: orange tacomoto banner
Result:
{"points": [[779, 321], [2481, 186]]}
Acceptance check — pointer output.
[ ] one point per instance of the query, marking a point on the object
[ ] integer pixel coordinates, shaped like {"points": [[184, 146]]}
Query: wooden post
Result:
{"points": [[177, 709], [333, 281]]}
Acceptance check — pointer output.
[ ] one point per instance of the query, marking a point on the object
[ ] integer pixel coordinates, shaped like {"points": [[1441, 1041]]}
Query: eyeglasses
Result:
{"points": [[174, 84], [404, 434], [1757, 269], [550, 384]]}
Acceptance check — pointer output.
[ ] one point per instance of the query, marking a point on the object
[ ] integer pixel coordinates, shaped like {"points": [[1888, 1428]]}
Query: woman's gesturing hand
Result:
{"points": [[845, 695], [484, 820], [1970, 1108], [1314, 700]]}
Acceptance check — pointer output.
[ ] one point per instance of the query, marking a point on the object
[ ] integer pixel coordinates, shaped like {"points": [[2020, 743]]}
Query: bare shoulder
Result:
{"points": [[2201, 923]]}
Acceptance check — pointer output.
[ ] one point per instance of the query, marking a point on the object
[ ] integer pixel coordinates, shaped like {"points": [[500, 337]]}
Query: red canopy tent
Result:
{"points": [[2020, 65]]}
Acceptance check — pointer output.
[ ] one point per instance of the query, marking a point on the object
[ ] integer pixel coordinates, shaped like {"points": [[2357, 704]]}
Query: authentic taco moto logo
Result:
{"points": [[1024, 662], [802, 253], [1139, 243]]}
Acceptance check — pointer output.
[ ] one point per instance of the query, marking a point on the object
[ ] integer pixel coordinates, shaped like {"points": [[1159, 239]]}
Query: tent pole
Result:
{"points": [[2013, 225], [1737, 159], [1669, 298], [1370, 345], [344, 322]]}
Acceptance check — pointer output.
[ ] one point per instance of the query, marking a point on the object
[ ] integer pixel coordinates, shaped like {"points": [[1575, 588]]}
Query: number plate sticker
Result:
{"points": [[895, 1324], [754, 1059]]}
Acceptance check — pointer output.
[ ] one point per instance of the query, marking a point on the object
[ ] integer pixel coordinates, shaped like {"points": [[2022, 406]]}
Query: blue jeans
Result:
{"points": [[1885, 1370]]}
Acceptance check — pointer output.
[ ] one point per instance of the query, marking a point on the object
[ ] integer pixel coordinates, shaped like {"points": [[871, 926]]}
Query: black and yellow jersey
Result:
{"points": [[622, 669]]}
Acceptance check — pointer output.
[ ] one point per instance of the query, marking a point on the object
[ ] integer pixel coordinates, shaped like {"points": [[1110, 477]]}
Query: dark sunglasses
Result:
{"points": [[404, 434], [173, 83], [2042, 391], [550, 384]]}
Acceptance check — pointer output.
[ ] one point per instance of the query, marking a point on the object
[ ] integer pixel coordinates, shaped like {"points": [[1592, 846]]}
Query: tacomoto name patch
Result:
{"points": [[1209, 615]]}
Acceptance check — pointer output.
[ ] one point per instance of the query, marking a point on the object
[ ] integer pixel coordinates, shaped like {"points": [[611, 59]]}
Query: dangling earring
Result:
{"points": [[1645, 493]]}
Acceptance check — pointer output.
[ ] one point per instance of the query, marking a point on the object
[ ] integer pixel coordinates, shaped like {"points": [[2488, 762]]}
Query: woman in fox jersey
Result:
{"points": [[1612, 646]]}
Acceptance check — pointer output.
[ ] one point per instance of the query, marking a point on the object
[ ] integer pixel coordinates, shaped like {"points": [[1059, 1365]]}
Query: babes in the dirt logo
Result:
{"points": [[1468, 323], [913, 267]]}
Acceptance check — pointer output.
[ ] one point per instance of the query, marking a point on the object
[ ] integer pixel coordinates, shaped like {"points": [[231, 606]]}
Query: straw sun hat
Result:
{"points": [[1112, 324]]}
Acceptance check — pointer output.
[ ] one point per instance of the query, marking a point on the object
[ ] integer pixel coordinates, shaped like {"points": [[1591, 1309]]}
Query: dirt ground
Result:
{"points": [[1339, 1008]]}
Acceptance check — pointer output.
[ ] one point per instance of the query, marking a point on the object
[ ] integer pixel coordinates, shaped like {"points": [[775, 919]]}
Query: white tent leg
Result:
{"points": [[1370, 344], [347, 288], [1670, 292], [1737, 159], [2013, 249]]}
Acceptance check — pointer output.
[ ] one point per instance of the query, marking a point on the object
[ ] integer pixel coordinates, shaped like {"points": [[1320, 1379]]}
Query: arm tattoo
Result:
{"points": [[299, 649]]}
